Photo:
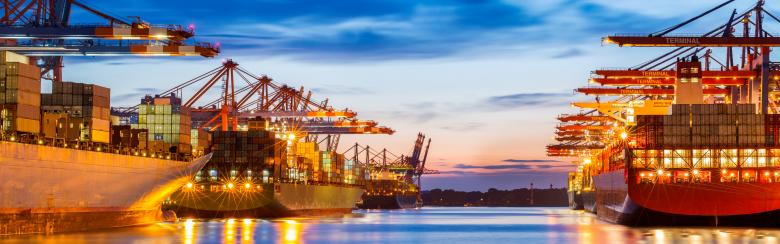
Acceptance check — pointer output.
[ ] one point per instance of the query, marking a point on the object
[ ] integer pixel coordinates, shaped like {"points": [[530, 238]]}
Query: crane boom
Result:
{"points": [[643, 91], [665, 81], [691, 41]]}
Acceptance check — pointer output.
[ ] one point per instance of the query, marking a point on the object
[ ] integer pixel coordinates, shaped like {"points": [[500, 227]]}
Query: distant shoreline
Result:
{"points": [[535, 206], [524, 197]]}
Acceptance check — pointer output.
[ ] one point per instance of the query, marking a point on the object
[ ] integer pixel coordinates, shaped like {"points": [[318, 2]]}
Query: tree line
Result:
{"points": [[524, 197]]}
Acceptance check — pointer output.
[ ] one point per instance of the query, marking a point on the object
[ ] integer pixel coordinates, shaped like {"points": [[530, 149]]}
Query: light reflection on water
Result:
{"points": [[431, 225]]}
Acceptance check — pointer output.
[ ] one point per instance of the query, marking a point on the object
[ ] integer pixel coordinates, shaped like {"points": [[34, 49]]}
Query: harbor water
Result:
{"points": [[427, 225]]}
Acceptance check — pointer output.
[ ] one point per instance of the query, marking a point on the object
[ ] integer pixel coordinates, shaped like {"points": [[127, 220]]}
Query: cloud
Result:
{"points": [[493, 167], [528, 99], [355, 30], [420, 112], [134, 96], [464, 127], [522, 167], [569, 53], [530, 161], [342, 90]]}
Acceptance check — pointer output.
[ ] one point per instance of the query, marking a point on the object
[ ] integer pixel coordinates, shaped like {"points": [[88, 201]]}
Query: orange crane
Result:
{"points": [[753, 79], [754, 40], [581, 127], [643, 91], [672, 74], [259, 96], [665, 81], [584, 118], [44, 29]]}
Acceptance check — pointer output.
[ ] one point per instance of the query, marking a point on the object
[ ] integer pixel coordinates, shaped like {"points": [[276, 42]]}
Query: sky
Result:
{"points": [[484, 79]]}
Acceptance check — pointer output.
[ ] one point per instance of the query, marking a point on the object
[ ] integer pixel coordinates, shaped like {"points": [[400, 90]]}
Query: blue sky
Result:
{"points": [[484, 78]]}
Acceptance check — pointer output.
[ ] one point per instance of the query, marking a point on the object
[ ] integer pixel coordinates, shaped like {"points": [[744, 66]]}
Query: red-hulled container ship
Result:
{"points": [[685, 140]]}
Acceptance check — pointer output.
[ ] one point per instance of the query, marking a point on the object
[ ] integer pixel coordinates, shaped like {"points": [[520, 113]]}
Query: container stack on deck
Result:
{"points": [[78, 107], [126, 136], [705, 125], [20, 94], [246, 155], [200, 140], [262, 153], [167, 122]]}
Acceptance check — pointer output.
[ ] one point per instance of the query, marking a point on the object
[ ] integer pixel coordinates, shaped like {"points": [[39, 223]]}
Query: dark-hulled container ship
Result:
{"points": [[386, 191], [392, 185], [265, 173]]}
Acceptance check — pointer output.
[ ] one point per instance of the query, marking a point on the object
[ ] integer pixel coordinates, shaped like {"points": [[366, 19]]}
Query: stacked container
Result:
{"points": [[200, 140], [125, 136], [704, 126], [772, 128], [256, 155], [167, 122], [244, 154], [62, 126], [310, 160], [20, 93], [85, 104], [649, 131]]}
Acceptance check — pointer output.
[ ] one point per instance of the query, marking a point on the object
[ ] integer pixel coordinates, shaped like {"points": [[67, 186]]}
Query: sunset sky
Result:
{"points": [[484, 78]]}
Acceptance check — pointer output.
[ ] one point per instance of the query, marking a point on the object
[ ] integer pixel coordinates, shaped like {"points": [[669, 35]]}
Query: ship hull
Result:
{"points": [[49, 189], [389, 202], [575, 200], [703, 204], [266, 201]]}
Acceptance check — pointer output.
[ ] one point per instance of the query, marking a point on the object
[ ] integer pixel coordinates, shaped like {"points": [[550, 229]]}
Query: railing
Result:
{"points": [[92, 146], [754, 165]]}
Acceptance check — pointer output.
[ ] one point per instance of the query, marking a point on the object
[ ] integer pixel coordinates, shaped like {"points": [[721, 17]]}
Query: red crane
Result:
{"points": [[44, 28], [643, 91]]}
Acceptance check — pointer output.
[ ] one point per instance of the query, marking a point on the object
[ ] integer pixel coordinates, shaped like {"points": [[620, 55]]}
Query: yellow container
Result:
{"points": [[28, 125], [100, 136]]}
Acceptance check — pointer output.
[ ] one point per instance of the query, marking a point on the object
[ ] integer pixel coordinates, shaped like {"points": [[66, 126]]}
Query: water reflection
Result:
{"points": [[291, 231], [247, 231], [430, 225], [230, 231], [189, 231]]}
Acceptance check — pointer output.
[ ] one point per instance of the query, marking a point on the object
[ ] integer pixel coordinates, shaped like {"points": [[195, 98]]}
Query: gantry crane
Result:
{"points": [[44, 29], [409, 168], [649, 88], [258, 96]]}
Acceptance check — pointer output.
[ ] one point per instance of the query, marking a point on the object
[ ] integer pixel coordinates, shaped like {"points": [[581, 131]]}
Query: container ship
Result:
{"points": [[392, 184], [61, 171], [386, 191], [266, 172], [682, 140]]}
